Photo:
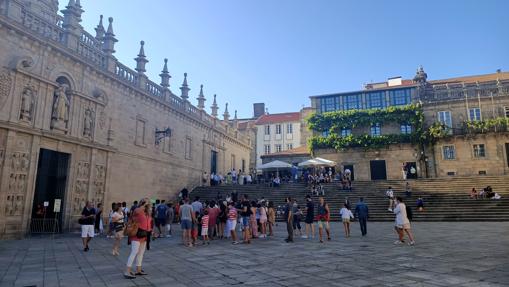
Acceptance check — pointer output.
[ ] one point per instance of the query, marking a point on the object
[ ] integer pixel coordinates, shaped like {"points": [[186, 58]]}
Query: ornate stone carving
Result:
{"points": [[20, 164], [61, 105], [102, 120], [81, 186], [100, 176], [27, 104], [5, 86], [88, 125]]}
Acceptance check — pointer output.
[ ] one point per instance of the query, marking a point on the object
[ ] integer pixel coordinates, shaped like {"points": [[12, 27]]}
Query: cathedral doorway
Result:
{"points": [[213, 162], [49, 196]]}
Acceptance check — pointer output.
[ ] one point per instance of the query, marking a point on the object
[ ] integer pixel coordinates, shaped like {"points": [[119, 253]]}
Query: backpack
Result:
{"points": [[409, 213]]}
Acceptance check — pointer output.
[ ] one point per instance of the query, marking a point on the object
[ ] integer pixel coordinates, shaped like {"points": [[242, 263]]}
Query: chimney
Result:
{"points": [[258, 110]]}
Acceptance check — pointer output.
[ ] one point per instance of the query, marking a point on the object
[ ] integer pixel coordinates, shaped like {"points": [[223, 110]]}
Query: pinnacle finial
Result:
{"points": [[201, 99], [165, 75], [214, 107], [99, 30], [226, 114], [78, 4], [141, 60], [185, 88], [110, 26], [142, 50], [235, 117]]}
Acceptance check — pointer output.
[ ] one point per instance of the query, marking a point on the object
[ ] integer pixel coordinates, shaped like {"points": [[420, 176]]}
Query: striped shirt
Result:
{"points": [[205, 221], [232, 214]]}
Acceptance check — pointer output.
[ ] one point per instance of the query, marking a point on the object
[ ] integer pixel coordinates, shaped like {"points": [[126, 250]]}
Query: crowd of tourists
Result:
{"points": [[240, 220]]}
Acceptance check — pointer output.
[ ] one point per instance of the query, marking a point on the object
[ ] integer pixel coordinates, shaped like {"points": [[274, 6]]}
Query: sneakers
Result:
{"points": [[168, 236], [398, 242], [235, 242], [411, 243], [389, 209], [304, 237]]}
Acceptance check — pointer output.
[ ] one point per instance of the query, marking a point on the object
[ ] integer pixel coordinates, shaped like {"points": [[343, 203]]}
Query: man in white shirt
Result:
{"points": [[390, 195], [402, 224]]}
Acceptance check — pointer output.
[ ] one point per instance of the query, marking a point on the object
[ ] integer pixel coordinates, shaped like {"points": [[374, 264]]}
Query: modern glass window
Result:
{"points": [[449, 152], [289, 146], [351, 102], [267, 129], [278, 148], [406, 129], [375, 100], [329, 104], [289, 128], [376, 130], [445, 118], [479, 150], [267, 149], [278, 129], [346, 132], [400, 97], [474, 114]]}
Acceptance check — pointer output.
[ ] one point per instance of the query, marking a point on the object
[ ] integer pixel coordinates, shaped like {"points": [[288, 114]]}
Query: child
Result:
{"points": [[346, 214], [420, 204], [205, 227], [232, 222]]}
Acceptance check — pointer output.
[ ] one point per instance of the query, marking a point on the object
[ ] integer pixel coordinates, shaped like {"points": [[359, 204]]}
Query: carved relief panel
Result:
{"points": [[82, 180], [5, 86], [99, 183], [27, 106], [18, 163]]}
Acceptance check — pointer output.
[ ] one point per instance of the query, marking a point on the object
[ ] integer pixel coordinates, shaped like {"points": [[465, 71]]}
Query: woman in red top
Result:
{"points": [[142, 216]]}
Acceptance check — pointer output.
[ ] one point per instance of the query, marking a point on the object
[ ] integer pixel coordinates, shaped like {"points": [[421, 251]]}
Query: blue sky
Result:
{"points": [[282, 51]]}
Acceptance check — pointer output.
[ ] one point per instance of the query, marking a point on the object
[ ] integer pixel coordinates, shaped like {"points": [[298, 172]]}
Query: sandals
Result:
{"points": [[140, 273]]}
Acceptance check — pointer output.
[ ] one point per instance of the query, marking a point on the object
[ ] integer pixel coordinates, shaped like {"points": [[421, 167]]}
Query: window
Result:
{"points": [[376, 130], [267, 148], [329, 104], [289, 128], [445, 118], [474, 114], [351, 102], [278, 129], [479, 150], [449, 152], [140, 132], [346, 132], [406, 129], [325, 133], [400, 97], [375, 100], [267, 129], [506, 112], [289, 146], [233, 162], [278, 148], [189, 148]]}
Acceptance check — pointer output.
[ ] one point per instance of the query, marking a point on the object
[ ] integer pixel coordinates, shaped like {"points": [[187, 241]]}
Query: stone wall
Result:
{"points": [[105, 125]]}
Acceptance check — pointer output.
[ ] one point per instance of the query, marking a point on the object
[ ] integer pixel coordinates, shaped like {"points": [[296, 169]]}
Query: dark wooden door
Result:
{"points": [[378, 170]]}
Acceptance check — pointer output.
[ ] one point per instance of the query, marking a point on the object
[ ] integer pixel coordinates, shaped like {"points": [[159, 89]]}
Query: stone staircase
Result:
{"points": [[446, 199]]}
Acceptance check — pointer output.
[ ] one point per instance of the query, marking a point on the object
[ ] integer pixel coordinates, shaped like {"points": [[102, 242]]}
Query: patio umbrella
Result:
{"points": [[325, 162], [311, 162], [277, 164]]}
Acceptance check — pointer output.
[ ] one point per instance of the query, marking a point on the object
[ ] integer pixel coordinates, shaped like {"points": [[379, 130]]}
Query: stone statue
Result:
{"points": [[60, 113], [88, 124], [26, 104]]}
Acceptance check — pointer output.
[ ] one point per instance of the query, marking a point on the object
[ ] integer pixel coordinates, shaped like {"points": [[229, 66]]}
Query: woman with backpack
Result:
{"points": [[139, 232]]}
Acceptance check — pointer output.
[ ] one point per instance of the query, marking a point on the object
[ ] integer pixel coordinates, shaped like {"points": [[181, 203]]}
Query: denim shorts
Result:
{"points": [[186, 224], [245, 222]]}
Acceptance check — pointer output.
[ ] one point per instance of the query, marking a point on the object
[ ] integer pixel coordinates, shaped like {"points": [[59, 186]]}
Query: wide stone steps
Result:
{"points": [[445, 199]]}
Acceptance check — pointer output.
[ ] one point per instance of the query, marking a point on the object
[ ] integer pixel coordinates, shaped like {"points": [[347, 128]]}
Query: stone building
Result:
{"points": [[78, 125], [466, 106]]}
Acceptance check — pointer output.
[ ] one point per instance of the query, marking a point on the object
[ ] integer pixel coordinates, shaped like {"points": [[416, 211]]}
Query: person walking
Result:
{"points": [[323, 219], [117, 220], [263, 219], [390, 195], [213, 212], [310, 216], [98, 224], [170, 216], [402, 225], [87, 222], [222, 220], [161, 213], [142, 216], [186, 222], [271, 217], [297, 216], [232, 222], [245, 213], [362, 213], [289, 219], [346, 215]]}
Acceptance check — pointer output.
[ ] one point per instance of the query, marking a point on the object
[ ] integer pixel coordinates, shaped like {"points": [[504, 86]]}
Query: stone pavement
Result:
{"points": [[446, 254]]}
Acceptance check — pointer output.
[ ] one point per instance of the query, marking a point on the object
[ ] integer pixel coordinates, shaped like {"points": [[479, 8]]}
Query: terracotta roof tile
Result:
{"points": [[278, 118]]}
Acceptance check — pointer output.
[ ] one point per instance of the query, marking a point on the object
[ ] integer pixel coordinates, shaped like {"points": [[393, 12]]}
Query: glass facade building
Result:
{"points": [[376, 99]]}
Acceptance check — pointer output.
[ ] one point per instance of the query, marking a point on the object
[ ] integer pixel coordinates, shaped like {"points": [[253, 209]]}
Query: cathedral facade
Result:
{"points": [[77, 125]]}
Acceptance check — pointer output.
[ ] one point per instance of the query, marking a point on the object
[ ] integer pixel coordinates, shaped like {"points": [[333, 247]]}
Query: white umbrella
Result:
{"points": [[275, 164], [311, 162], [325, 161]]}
